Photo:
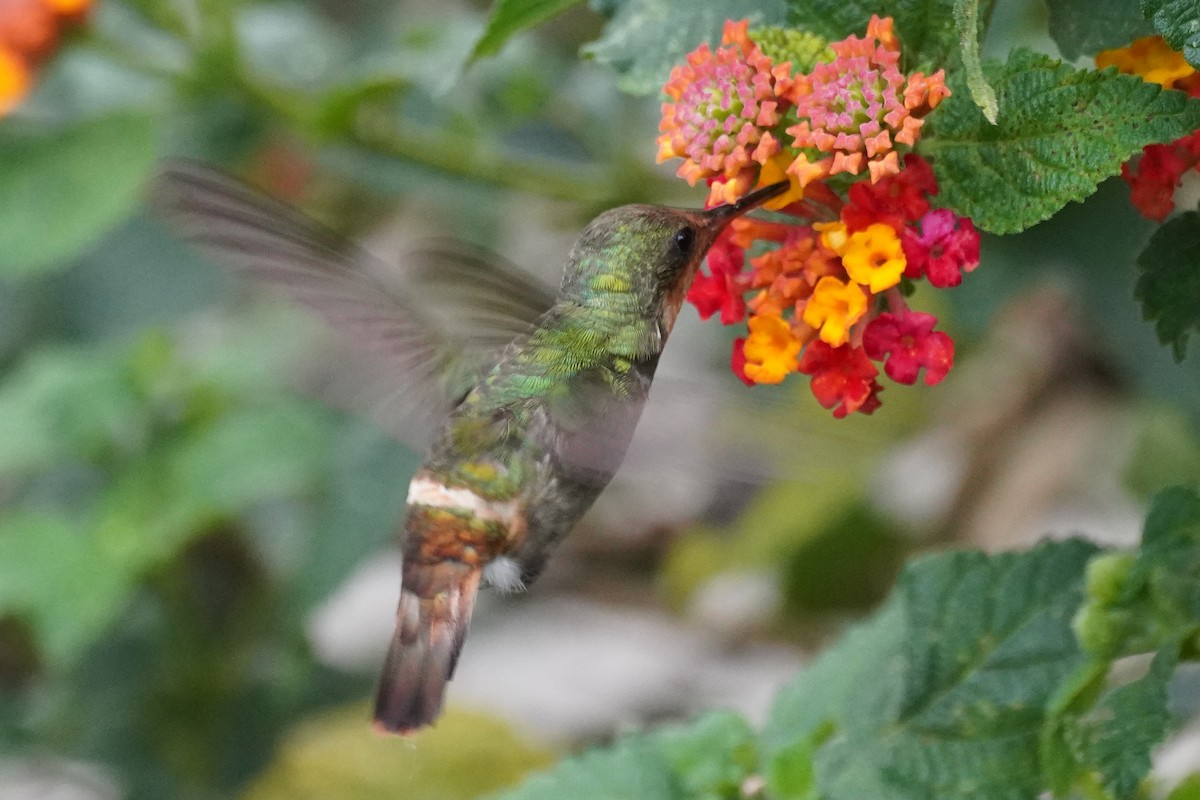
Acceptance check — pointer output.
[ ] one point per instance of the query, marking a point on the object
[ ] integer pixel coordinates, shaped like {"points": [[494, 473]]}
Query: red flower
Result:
{"points": [[841, 375], [912, 343], [946, 247], [737, 361], [722, 289], [1152, 182], [895, 200]]}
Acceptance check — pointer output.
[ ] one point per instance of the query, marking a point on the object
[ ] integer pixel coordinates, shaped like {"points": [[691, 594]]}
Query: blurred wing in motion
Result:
{"points": [[433, 348]]}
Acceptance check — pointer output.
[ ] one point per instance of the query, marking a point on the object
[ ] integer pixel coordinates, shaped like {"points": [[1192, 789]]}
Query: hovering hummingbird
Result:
{"points": [[535, 396]]}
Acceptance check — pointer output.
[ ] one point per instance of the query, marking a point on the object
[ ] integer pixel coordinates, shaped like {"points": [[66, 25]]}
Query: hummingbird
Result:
{"points": [[533, 397]]}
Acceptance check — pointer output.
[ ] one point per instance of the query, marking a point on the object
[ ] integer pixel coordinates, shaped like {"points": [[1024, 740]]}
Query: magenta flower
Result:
{"points": [[909, 342], [947, 246]]}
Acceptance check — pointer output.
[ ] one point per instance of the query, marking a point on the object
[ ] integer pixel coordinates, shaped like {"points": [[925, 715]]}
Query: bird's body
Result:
{"points": [[531, 436]]}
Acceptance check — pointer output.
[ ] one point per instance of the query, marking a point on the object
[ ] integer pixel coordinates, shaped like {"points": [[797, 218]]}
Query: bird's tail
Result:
{"points": [[431, 624]]}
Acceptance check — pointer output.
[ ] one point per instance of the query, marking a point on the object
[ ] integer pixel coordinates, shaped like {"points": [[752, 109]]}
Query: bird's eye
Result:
{"points": [[684, 239]]}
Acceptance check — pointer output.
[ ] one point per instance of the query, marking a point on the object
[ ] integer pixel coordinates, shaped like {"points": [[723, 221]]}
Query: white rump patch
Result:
{"points": [[505, 574], [426, 492]]}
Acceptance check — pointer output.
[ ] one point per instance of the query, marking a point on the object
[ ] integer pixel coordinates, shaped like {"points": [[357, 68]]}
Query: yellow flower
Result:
{"points": [[770, 349], [833, 308], [1151, 58], [874, 257]]}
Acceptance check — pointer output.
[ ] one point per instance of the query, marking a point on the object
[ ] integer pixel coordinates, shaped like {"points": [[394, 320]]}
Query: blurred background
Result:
{"points": [[199, 501]]}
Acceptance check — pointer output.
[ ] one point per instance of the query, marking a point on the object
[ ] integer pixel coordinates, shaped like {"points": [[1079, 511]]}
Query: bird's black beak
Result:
{"points": [[717, 218]]}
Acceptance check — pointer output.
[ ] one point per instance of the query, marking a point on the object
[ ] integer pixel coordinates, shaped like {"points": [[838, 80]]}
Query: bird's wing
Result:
{"points": [[431, 348]]}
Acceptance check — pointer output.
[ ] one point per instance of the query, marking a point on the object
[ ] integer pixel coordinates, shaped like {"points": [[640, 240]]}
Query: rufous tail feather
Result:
{"points": [[436, 601]]}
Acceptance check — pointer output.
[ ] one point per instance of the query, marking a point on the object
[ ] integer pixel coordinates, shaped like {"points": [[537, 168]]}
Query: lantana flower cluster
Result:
{"points": [[822, 289], [1154, 176], [29, 33]]}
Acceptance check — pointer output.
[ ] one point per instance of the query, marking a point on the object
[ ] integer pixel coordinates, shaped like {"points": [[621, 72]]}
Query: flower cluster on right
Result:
{"points": [[1155, 175], [29, 33], [822, 290]]}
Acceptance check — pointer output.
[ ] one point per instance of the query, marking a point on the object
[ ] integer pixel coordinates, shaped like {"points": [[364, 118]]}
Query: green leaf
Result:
{"points": [[1061, 131], [1115, 737], [1169, 282], [711, 756], [633, 768], [966, 20], [644, 39], [976, 647], [62, 190], [929, 36], [1085, 27], [1178, 22], [510, 16]]}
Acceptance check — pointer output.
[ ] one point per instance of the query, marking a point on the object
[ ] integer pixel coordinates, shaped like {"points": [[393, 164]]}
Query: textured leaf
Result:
{"points": [[1170, 281], [1085, 27], [985, 643], [60, 191], [927, 30], [1178, 22], [1061, 131], [1115, 737], [644, 39], [510, 16], [633, 768]]}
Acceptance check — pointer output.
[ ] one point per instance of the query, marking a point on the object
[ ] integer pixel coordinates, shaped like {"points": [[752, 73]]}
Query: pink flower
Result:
{"points": [[909, 343], [724, 107], [946, 247]]}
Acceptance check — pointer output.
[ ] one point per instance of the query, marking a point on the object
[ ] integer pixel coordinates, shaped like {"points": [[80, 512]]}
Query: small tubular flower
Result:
{"points": [[874, 257], [843, 378], [1158, 172], [770, 350], [833, 308], [909, 342], [946, 247]]}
